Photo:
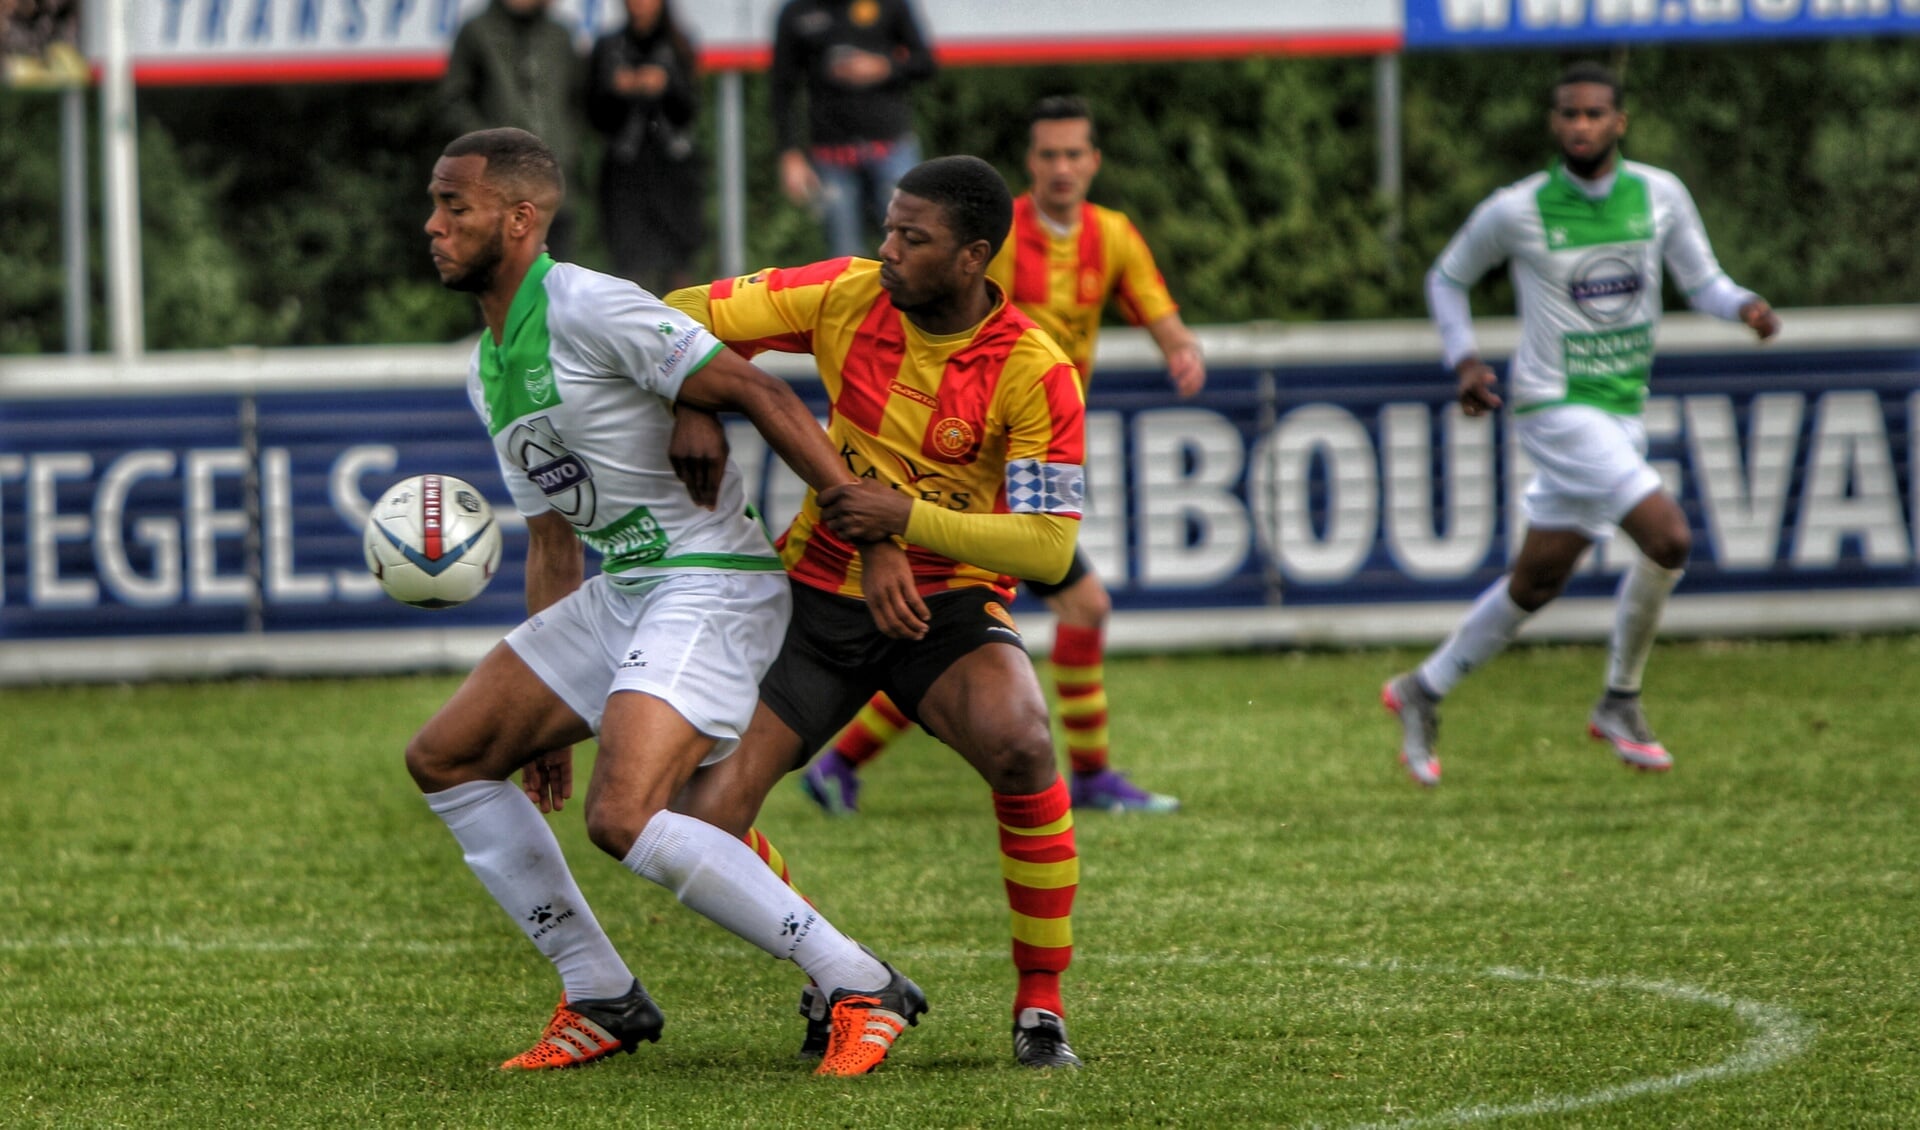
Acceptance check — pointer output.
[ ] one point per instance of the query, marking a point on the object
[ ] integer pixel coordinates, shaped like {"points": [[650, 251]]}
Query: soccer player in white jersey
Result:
{"points": [[1584, 241], [660, 654]]}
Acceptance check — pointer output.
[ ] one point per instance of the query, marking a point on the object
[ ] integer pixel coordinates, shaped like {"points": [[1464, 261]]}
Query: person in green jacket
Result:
{"points": [[514, 65]]}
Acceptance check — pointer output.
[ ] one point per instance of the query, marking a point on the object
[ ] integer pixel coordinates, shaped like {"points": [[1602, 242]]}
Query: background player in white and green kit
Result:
{"points": [[660, 654], [1585, 242]]}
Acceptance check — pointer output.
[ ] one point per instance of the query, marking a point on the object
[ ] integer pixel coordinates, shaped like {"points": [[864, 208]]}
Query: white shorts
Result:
{"points": [[1589, 468], [698, 641]]}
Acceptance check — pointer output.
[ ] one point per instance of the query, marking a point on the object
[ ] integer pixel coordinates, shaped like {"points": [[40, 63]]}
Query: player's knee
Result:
{"points": [[1533, 589], [1020, 761], [1671, 549], [1085, 605], [430, 764], [614, 827]]}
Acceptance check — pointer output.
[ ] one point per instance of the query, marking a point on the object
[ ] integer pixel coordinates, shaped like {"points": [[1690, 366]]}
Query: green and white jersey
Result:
{"points": [[579, 400], [1586, 271]]}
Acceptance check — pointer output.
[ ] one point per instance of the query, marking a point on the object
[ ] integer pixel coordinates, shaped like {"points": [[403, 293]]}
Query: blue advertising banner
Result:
{"points": [[1333, 487], [1596, 23]]}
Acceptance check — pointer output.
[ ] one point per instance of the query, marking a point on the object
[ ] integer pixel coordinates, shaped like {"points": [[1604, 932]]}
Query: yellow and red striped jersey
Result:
{"points": [[1063, 281], [987, 421]]}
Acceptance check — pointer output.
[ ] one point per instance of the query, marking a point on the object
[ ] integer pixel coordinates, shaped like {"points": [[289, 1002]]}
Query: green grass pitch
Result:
{"points": [[226, 905]]}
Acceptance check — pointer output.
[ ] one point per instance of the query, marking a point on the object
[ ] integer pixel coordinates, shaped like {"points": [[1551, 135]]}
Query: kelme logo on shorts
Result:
{"points": [[994, 609]]}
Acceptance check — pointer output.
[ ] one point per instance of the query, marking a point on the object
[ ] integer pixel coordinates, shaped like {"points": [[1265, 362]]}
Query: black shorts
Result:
{"points": [[834, 657], [1075, 573]]}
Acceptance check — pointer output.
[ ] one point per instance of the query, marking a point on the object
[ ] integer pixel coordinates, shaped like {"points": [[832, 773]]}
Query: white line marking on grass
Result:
{"points": [[1779, 1034]]}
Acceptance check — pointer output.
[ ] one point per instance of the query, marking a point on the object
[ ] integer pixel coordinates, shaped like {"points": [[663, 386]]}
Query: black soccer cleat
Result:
{"points": [[1040, 1040], [813, 1006]]}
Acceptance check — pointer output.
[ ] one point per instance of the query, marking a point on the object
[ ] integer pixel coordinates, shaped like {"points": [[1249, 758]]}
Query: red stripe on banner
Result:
{"points": [[1111, 49], [289, 69], [431, 517], [265, 69]]}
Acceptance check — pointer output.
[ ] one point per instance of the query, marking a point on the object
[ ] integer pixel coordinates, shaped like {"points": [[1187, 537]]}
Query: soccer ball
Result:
{"points": [[432, 541]]}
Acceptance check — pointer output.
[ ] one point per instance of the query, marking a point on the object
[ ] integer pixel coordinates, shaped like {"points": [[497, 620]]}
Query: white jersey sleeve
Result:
{"points": [[617, 328], [1482, 243], [1685, 248]]}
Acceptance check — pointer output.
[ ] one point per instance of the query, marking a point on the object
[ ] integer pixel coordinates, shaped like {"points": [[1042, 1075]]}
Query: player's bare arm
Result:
{"points": [[886, 580], [1186, 366], [555, 566], [1477, 387], [728, 382]]}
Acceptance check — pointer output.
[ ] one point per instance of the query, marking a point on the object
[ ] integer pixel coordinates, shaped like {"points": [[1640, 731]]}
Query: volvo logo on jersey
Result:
{"points": [[1606, 286], [561, 475]]}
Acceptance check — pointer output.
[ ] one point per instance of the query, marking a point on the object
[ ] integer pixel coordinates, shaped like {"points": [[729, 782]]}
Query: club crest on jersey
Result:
{"points": [[539, 383], [1606, 286], [953, 438]]}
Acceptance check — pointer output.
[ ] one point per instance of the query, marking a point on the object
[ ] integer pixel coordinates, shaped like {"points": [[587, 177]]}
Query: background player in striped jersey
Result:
{"points": [[1063, 261], [1585, 241], [576, 377], [964, 424]]}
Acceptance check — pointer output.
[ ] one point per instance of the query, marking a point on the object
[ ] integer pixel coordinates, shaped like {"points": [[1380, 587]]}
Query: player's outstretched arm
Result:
{"points": [[728, 382], [555, 567]]}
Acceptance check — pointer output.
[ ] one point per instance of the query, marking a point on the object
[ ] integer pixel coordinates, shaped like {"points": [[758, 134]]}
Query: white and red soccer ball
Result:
{"points": [[432, 541]]}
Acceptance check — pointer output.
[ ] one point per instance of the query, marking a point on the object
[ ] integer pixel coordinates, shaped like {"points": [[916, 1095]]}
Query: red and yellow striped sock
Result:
{"points": [[871, 731], [1079, 679], [770, 855], [1042, 871]]}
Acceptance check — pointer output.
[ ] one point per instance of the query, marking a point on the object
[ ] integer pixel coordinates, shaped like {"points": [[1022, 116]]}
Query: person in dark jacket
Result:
{"points": [[513, 65], [857, 61], [641, 95]]}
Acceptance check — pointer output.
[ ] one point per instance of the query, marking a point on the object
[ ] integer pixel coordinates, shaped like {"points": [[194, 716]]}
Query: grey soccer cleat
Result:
{"points": [[1419, 713], [1040, 1040], [1617, 719]]}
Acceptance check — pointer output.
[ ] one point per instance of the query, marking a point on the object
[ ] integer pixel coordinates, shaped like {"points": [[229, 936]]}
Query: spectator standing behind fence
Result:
{"points": [[857, 60], [641, 95], [513, 65]]}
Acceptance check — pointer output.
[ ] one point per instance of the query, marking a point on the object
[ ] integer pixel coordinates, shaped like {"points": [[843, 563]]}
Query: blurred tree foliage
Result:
{"points": [[291, 215]]}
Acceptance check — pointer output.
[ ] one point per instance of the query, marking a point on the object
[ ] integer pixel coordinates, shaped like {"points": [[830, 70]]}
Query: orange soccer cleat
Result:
{"points": [[867, 1022], [586, 1031]]}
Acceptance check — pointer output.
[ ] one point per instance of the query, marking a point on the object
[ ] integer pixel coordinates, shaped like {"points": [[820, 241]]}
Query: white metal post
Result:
{"points": [[73, 212], [732, 135], [120, 167]]}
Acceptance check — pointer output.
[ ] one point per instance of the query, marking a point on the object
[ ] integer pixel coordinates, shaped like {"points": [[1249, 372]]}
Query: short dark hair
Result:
{"points": [[975, 198], [1064, 108], [1589, 71], [520, 164]]}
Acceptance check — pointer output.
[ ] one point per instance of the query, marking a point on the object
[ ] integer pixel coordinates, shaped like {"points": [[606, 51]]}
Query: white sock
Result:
{"points": [[720, 877], [511, 849], [1484, 633], [1636, 620]]}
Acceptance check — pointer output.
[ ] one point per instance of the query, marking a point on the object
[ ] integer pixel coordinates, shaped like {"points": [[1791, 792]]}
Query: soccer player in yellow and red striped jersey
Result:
{"points": [[1062, 262], [964, 425]]}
